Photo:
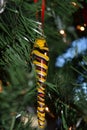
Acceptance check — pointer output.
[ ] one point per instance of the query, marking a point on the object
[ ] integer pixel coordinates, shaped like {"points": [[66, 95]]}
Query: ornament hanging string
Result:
{"points": [[42, 12], [35, 1]]}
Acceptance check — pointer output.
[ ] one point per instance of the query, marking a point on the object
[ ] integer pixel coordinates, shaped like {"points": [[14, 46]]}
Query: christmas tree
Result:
{"points": [[63, 24]]}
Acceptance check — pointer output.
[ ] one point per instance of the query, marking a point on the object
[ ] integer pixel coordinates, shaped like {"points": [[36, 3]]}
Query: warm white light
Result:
{"points": [[82, 28], [78, 27], [84, 24], [47, 109], [62, 31], [73, 3], [70, 128]]}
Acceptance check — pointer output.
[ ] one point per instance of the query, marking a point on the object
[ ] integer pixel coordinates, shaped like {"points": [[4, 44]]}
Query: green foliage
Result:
{"points": [[81, 96], [16, 40], [18, 30]]}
